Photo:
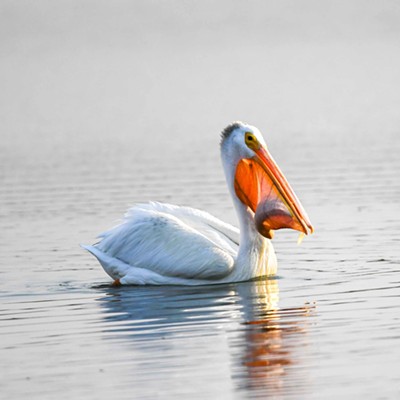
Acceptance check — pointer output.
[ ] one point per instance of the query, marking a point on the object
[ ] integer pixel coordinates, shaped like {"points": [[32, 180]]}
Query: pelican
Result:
{"points": [[164, 244]]}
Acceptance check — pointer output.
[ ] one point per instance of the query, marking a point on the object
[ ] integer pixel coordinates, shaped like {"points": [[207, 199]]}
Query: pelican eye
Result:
{"points": [[251, 141]]}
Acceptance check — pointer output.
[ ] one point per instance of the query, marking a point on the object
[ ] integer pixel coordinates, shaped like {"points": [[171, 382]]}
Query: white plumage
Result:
{"points": [[162, 244]]}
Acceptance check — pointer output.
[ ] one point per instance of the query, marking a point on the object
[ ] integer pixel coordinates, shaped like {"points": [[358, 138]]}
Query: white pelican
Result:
{"points": [[163, 244]]}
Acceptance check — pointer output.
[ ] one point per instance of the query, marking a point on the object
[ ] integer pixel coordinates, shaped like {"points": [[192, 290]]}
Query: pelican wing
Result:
{"points": [[172, 241], [213, 228]]}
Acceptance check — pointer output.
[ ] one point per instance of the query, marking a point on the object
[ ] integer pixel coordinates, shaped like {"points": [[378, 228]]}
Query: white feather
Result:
{"points": [[159, 238]]}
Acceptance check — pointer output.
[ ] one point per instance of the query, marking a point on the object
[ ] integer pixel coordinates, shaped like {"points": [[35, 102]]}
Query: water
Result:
{"points": [[81, 142]]}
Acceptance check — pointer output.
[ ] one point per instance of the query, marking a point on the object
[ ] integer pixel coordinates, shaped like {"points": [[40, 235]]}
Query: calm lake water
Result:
{"points": [[124, 107], [326, 327]]}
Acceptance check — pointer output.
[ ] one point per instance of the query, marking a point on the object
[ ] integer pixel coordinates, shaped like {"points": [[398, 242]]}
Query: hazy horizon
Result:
{"points": [[69, 67]]}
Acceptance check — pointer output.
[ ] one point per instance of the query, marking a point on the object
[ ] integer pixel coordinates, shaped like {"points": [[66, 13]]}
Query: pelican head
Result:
{"points": [[257, 182]]}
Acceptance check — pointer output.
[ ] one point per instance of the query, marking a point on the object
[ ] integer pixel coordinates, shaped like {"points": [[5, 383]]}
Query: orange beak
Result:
{"points": [[260, 184]]}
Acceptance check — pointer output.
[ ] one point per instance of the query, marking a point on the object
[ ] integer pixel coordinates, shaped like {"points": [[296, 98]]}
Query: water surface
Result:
{"points": [[328, 325], [93, 124]]}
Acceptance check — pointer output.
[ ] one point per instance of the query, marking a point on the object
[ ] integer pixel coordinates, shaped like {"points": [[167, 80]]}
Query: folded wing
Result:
{"points": [[172, 241]]}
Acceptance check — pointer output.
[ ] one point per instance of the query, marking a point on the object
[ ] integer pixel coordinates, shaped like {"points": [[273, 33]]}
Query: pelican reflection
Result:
{"points": [[244, 328], [273, 338]]}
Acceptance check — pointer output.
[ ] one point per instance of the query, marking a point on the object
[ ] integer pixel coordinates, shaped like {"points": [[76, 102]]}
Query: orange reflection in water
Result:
{"points": [[272, 336]]}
